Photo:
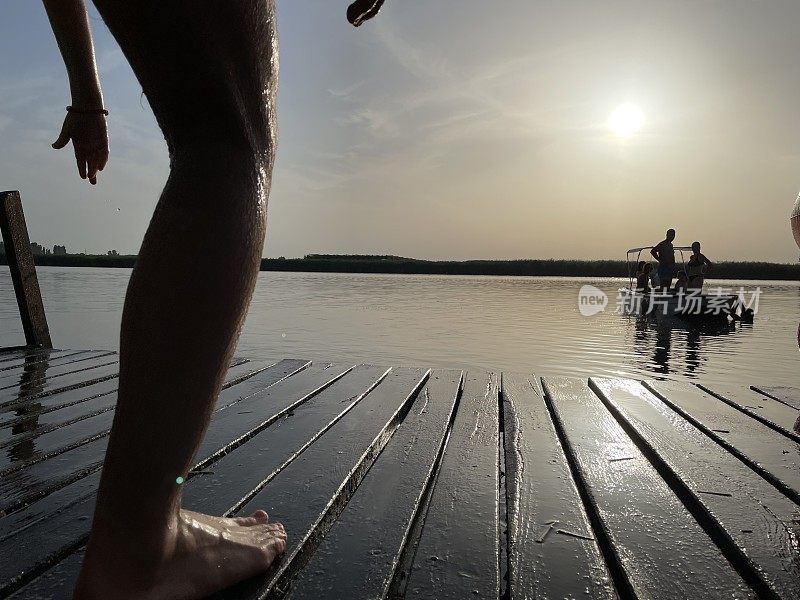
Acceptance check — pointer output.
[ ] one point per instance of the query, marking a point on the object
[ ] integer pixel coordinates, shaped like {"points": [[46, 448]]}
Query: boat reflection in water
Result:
{"points": [[678, 346]]}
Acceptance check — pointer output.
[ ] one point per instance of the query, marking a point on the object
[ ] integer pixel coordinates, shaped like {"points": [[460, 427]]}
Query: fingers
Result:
{"points": [[63, 138], [80, 158], [90, 162], [93, 166], [102, 159], [363, 10]]}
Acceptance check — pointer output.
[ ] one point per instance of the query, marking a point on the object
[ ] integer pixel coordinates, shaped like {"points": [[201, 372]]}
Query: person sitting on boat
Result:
{"points": [[696, 267], [682, 285], [664, 253], [643, 277]]}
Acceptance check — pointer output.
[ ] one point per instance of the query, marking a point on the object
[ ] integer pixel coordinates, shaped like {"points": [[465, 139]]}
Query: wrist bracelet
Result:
{"points": [[87, 111]]}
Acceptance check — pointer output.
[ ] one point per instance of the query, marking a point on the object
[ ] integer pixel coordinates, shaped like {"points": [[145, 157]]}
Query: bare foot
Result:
{"points": [[203, 554]]}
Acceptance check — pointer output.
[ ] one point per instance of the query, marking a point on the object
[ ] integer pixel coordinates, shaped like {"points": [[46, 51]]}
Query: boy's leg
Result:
{"points": [[187, 297]]}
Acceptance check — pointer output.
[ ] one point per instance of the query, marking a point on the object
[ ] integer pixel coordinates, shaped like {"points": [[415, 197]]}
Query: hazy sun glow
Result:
{"points": [[626, 120]]}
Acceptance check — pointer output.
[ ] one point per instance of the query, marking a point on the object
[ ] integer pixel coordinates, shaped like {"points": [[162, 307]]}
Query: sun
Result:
{"points": [[626, 120]]}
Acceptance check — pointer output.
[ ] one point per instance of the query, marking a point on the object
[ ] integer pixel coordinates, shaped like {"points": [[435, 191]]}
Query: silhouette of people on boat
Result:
{"points": [[682, 283], [643, 273], [664, 253], [695, 267]]}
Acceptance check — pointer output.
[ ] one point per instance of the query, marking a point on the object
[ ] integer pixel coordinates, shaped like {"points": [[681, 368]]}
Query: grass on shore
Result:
{"points": [[329, 263]]}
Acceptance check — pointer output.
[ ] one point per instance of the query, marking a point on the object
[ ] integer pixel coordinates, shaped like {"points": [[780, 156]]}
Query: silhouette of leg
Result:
{"points": [[209, 70]]}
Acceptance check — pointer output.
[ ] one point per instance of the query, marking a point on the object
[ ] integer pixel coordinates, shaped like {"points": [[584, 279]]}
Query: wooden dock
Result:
{"points": [[397, 482]]}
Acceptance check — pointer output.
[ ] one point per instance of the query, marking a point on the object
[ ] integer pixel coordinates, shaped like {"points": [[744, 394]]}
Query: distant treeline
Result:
{"points": [[80, 260], [550, 267], [342, 263]]}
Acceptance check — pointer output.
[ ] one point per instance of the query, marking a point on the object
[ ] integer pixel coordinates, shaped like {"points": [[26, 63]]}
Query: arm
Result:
{"points": [[654, 251], [88, 132], [706, 261]]}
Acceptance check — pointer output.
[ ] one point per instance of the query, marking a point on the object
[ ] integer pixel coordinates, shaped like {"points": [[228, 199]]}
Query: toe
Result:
{"points": [[261, 516]]}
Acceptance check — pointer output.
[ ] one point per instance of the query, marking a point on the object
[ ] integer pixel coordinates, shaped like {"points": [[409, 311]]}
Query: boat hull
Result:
{"points": [[692, 305]]}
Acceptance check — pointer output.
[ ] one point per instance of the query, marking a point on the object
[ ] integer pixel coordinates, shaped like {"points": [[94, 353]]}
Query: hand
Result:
{"points": [[89, 136], [363, 10]]}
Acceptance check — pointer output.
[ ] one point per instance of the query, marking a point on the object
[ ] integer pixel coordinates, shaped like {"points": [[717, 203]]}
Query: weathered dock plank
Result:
{"points": [[242, 472], [39, 423], [751, 521], [23, 352], [308, 494], [781, 417], [56, 529], [42, 377], [45, 386], [359, 555], [51, 357], [33, 448], [33, 477], [552, 549], [51, 367], [781, 393], [457, 555], [774, 456], [660, 550], [388, 481], [56, 584], [37, 406]]}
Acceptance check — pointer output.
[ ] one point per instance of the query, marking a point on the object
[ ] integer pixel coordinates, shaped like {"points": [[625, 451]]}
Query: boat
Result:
{"points": [[689, 304]]}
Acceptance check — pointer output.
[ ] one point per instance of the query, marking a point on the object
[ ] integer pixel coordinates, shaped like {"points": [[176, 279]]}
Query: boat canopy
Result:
{"points": [[634, 250]]}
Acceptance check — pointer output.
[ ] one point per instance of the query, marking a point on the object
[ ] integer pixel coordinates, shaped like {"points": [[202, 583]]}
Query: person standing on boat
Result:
{"points": [[695, 268], [643, 277], [664, 253]]}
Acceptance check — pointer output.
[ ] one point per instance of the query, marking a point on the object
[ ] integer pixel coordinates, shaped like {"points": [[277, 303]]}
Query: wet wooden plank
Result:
{"points": [[553, 552], [36, 424], [240, 421], [42, 374], [781, 393], [359, 556], [458, 552], [42, 387], [43, 367], [249, 467], [40, 406], [55, 584], [30, 449], [47, 482], [43, 464], [50, 356], [781, 417], [219, 488], [51, 441], [35, 420], [20, 352], [255, 377], [752, 521], [23, 270], [774, 456], [310, 492], [59, 529], [656, 542]]}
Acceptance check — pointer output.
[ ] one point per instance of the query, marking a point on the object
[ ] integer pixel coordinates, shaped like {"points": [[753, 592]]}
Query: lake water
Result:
{"points": [[523, 324]]}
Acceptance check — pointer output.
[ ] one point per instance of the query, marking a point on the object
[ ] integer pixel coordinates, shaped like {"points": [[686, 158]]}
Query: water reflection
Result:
{"points": [[679, 346], [515, 324], [26, 411]]}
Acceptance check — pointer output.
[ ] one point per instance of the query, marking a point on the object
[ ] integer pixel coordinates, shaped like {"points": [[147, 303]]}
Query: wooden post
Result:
{"points": [[23, 271]]}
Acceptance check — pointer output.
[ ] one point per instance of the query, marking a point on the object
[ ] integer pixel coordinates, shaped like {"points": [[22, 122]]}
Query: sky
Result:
{"points": [[461, 129]]}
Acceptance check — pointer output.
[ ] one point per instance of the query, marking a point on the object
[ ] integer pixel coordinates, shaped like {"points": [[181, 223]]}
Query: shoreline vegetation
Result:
{"points": [[358, 263]]}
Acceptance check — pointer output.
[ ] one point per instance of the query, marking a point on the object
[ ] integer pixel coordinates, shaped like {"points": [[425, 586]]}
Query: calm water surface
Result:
{"points": [[505, 323]]}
